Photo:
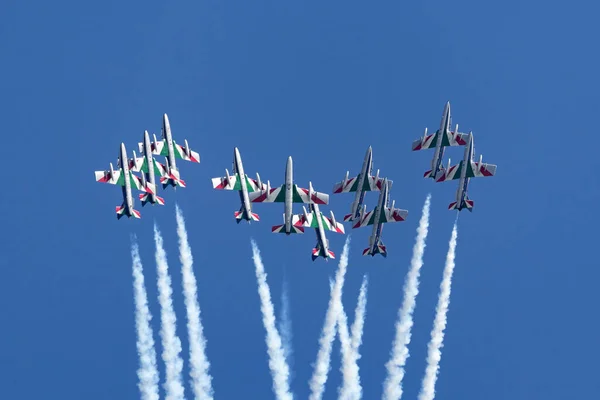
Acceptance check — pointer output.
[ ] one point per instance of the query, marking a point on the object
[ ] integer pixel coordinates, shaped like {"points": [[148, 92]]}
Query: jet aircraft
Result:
{"points": [[380, 215], [360, 184], [443, 137], [125, 178], [149, 168], [465, 170], [289, 193], [243, 184], [171, 150], [316, 219]]}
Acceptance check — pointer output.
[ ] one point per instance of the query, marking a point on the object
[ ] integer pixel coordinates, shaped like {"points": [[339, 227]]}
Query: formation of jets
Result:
{"points": [[255, 191], [149, 168], [463, 171]]}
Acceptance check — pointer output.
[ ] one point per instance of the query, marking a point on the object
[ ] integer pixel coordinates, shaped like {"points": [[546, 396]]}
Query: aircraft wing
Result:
{"points": [[117, 178], [185, 153], [140, 164], [158, 148], [301, 195], [236, 184], [310, 221], [474, 170], [351, 185], [273, 195], [387, 215], [430, 141]]}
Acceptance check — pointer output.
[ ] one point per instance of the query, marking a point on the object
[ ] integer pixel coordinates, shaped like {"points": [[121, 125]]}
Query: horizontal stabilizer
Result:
{"points": [[468, 204], [379, 249], [147, 198], [281, 229], [348, 217]]}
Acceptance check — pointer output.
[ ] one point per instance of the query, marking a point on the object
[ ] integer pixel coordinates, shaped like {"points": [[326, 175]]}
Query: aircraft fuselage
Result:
{"points": [[150, 164], [239, 169], [169, 141], [289, 186], [321, 238], [443, 132], [365, 172], [377, 226], [127, 197]]}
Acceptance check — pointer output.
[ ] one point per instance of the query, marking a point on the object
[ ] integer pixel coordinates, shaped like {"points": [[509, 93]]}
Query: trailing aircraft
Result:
{"points": [[362, 183], [465, 170], [149, 168], [380, 215], [243, 184], [125, 178], [316, 219]]}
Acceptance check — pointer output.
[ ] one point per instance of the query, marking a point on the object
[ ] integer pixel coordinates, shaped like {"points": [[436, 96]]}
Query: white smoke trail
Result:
{"points": [[168, 331], [199, 365], [147, 372], [319, 378], [285, 328], [434, 353], [349, 374], [395, 366], [277, 364], [351, 388]]}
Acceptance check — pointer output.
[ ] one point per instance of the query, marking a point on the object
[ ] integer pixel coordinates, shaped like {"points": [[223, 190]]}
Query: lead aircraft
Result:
{"points": [[362, 183], [380, 215], [171, 150], [442, 138], [316, 219], [465, 170], [243, 184], [289, 193], [125, 178]]}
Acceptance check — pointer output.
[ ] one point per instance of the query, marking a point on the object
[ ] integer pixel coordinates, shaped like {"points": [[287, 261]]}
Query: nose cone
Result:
{"points": [[289, 162], [236, 153], [447, 108], [146, 137], [123, 148]]}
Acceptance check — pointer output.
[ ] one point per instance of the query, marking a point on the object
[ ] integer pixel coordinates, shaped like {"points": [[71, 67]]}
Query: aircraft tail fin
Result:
{"points": [[281, 229], [378, 249], [121, 211], [242, 215], [468, 204], [147, 198]]}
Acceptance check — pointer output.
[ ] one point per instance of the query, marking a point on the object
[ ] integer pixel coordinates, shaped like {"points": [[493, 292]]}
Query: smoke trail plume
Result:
{"points": [[285, 327], [170, 342], [319, 378], [349, 345], [395, 366], [434, 353], [199, 365], [147, 372], [277, 363]]}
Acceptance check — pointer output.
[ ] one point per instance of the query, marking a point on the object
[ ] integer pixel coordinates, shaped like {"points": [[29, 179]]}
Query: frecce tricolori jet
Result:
{"points": [[380, 215], [125, 178], [149, 168], [465, 170], [362, 183], [316, 219], [243, 184], [288, 194], [171, 150], [442, 138]]}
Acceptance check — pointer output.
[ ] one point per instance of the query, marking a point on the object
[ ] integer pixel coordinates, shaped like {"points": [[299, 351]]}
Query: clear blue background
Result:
{"points": [[319, 82]]}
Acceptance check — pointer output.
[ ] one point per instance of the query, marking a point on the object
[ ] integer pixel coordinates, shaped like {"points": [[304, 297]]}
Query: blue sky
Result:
{"points": [[319, 82]]}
